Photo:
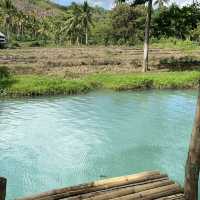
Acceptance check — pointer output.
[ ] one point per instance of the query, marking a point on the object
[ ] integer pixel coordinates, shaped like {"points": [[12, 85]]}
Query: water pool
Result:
{"points": [[53, 142]]}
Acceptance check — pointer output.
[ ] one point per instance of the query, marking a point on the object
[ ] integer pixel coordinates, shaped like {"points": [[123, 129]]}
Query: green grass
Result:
{"points": [[173, 43], [162, 80], [44, 85]]}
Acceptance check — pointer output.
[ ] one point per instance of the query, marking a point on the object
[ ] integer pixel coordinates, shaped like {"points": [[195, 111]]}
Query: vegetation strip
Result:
{"points": [[32, 85]]}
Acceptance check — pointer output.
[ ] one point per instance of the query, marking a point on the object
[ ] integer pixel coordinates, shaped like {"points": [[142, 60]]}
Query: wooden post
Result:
{"points": [[3, 182], [193, 160]]}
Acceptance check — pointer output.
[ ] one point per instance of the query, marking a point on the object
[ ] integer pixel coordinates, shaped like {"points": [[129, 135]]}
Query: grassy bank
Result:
{"points": [[30, 85]]}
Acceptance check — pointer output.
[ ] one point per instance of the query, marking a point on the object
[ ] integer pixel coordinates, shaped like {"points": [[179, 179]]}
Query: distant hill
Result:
{"points": [[49, 8], [40, 7]]}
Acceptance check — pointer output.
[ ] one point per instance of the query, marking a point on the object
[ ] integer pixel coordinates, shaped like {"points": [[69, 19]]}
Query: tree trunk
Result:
{"points": [[193, 161], [146, 39], [77, 40], [86, 36], [2, 188]]}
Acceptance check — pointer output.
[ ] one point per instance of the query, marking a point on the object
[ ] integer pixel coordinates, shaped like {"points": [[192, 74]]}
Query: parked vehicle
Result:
{"points": [[2, 40]]}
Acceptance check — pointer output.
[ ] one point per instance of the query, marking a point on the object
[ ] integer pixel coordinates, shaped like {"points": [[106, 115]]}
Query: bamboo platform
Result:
{"points": [[141, 186]]}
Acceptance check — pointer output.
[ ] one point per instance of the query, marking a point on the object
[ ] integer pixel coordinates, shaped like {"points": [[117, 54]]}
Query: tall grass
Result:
{"points": [[162, 80], [45, 85], [173, 43]]}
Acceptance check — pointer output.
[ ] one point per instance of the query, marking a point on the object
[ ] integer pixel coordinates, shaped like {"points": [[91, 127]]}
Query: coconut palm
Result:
{"points": [[77, 23], [147, 27], [146, 38], [86, 19], [73, 26], [147, 31], [117, 2], [161, 3]]}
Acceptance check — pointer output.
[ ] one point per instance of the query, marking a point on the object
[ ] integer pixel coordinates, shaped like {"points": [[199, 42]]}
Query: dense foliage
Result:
{"points": [[176, 22], [82, 24]]}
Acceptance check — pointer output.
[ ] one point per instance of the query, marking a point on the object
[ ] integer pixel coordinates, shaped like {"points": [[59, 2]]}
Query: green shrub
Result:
{"points": [[4, 73], [13, 45], [37, 44], [174, 43], [182, 63]]}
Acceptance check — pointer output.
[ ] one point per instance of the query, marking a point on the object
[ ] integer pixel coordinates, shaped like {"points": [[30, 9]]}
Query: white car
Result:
{"points": [[2, 39]]}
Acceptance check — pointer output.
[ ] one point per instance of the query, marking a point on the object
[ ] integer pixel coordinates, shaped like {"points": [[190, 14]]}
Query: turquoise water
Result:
{"points": [[49, 143]]}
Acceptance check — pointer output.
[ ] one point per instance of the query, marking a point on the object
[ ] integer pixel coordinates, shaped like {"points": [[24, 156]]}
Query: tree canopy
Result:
{"points": [[83, 24]]}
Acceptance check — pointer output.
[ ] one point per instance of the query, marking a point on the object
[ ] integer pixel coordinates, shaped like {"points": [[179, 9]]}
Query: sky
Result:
{"points": [[109, 3]]}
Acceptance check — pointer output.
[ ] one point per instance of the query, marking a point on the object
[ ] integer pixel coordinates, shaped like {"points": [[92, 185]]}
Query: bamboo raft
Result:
{"points": [[141, 186]]}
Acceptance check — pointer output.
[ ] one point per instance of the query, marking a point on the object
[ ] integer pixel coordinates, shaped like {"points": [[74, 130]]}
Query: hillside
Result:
{"points": [[50, 8], [40, 7]]}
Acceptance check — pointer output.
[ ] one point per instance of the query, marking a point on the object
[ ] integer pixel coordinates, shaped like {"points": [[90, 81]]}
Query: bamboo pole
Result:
{"points": [[85, 191], [95, 186], [193, 161], [90, 191], [130, 190], [3, 183], [153, 193], [102, 192], [173, 197]]}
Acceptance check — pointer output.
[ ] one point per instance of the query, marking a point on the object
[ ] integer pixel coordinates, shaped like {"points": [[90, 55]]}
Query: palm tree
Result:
{"points": [[118, 2], [161, 3], [147, 27], [147, 30], [86, 18], [77, 23], [146, 37], [73, 25]]}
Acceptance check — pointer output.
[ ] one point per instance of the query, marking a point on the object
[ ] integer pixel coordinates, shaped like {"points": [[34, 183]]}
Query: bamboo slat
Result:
{"points": [[93, 194], [95, 186], [173, 197], [153, 193], [130, 190], [106, 187], [143, 186]]}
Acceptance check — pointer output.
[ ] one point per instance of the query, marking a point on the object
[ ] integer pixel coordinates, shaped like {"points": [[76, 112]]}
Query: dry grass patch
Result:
{"points": [[83, 61]]}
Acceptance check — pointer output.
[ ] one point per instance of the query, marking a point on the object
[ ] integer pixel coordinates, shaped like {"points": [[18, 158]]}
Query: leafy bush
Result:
{"points": [[15, 45], [38, 44], [35, 44], [195, 34], [4, 73], [179, 64]]}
